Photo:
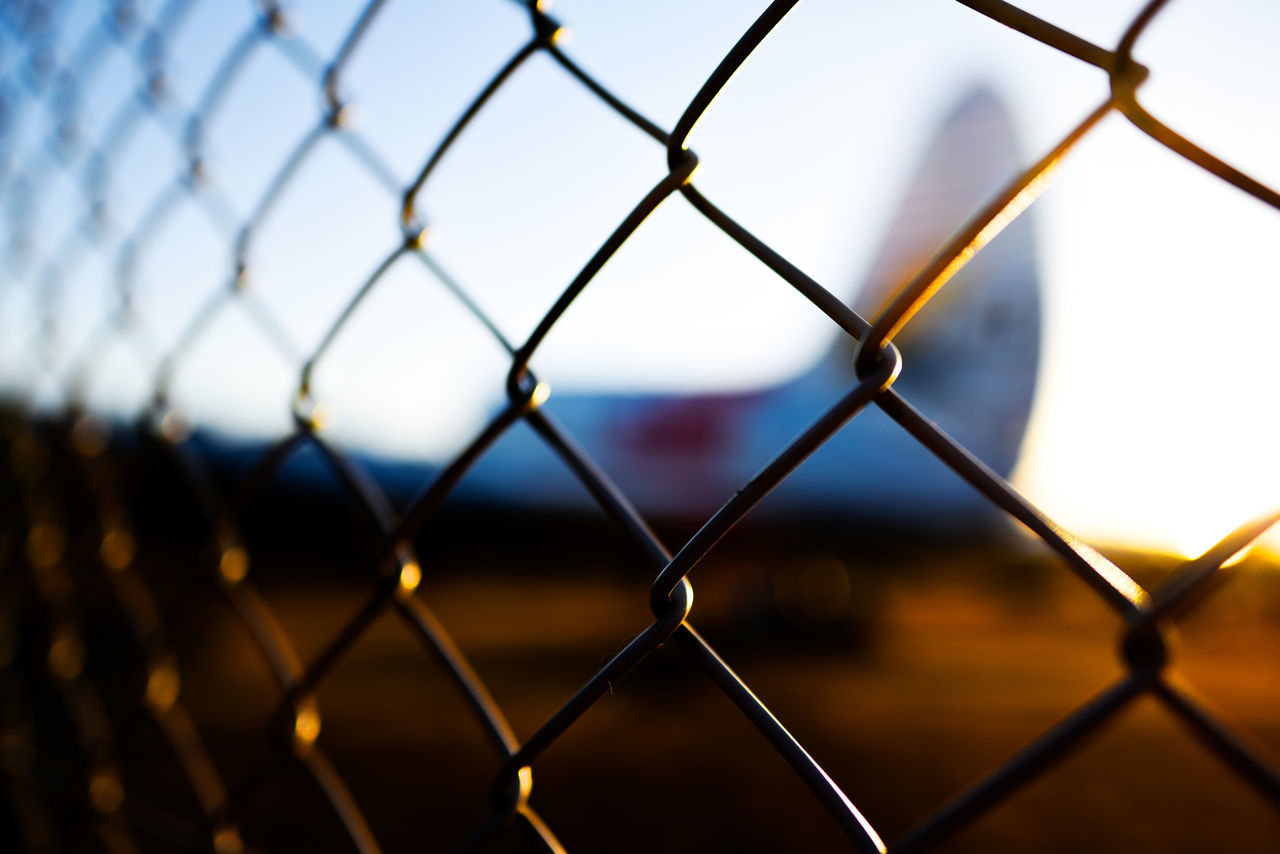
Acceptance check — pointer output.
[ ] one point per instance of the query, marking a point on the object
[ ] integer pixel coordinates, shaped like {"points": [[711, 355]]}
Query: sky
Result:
{"points": [[1156, 411]]}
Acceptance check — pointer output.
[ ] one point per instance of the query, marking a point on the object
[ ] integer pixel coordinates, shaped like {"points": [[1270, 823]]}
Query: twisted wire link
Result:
{"points": [[76, 545]]}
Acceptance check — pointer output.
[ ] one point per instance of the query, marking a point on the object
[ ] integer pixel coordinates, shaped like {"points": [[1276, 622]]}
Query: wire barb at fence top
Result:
{"points": [[68, 528]]}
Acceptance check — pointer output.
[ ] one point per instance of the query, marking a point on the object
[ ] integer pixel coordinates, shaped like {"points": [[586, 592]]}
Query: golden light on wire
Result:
{"points": [[410, 578], [996, 224]]}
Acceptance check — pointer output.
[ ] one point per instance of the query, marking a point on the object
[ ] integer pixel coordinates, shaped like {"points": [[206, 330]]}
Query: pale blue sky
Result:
{"points": [[1158, 398]]}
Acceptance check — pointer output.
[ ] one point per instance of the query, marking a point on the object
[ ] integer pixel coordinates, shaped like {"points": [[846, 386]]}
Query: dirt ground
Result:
{"points": [[907, 675]]}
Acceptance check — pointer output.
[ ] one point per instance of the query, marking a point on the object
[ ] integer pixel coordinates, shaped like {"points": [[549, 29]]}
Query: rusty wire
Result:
{"points": [[67, 525]]}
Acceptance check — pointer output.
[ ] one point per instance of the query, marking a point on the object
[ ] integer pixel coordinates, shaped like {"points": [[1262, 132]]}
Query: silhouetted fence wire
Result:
{"points": [[68, 533]]}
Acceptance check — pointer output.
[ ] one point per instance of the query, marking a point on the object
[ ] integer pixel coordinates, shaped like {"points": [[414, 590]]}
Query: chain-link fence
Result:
{"points": [[100, 605]]}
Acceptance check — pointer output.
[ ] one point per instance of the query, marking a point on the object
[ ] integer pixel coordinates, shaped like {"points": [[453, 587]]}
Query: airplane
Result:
{"points": [[970, 361]]}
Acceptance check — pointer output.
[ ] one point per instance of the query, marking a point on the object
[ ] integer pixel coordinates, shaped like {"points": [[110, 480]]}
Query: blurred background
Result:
{"points": [[1142, 257], [908, 664]]}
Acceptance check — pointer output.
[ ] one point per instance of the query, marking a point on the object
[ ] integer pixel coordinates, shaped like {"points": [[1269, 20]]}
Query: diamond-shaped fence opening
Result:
{"points": [[223, 628]]}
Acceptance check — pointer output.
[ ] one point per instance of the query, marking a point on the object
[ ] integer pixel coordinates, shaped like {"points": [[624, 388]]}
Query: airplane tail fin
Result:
{"points": [[971, 355]]}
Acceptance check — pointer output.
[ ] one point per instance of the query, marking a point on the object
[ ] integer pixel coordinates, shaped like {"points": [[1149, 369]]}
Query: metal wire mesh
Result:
{"points": [[71, 480]]}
